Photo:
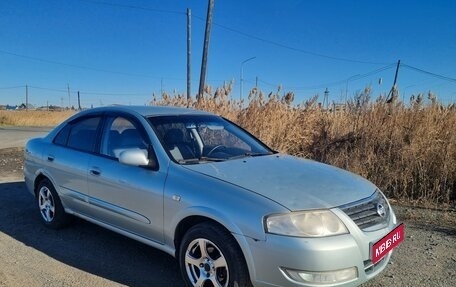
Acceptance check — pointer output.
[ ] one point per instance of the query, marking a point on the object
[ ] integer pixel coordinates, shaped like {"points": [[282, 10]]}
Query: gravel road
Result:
{"points": [[86, 255]]}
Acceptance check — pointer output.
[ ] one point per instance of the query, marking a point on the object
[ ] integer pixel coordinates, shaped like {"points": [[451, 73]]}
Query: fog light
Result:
{"points": [[322, 278]]}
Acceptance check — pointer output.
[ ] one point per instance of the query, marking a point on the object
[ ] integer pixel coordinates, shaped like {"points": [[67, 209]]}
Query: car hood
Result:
{"points": [[295, 183]]}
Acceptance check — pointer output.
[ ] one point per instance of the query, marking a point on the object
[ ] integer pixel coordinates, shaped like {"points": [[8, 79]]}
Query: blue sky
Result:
{"points": [[114, 54]]}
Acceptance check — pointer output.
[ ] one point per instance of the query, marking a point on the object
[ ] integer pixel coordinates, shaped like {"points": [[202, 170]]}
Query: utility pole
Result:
{"points": [[205, 49], [79, 102], [242, 75], [69, 100], [189, 53], [161, 87], [26, 97], [393, 92], [397, 72], [346, 86], [325, 99]]}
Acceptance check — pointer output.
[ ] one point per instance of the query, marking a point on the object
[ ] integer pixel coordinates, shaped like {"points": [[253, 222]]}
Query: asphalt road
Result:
{"points": [[18, 136]]}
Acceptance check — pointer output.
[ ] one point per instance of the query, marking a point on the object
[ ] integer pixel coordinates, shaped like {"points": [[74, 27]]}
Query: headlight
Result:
{"points": [[315, 223]]}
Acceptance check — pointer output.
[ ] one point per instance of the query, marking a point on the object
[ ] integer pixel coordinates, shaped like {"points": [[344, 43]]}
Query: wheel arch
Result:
{"points": [[241, 240], [187, 223], [40, 176]]}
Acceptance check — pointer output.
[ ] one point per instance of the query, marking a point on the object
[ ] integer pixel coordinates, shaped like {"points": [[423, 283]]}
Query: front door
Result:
{"points": [[123, 196]]}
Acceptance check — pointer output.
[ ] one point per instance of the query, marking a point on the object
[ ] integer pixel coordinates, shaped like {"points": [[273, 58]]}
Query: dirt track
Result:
{"points": [[86, 255]]}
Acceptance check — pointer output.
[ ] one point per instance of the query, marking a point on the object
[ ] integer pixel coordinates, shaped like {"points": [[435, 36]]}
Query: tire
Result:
{"points": [[50, 207], [219, 264]]}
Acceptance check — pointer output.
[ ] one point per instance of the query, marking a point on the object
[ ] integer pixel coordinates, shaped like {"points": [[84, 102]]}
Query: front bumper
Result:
{"points": [[272, 258]]}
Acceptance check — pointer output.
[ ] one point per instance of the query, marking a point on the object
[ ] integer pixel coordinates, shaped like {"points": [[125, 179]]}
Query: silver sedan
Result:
{"points": [[231, 210]]}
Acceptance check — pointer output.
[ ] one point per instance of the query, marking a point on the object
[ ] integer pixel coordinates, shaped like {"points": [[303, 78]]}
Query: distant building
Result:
{"points": [[338, 107], [23, 107], [7, 107]]}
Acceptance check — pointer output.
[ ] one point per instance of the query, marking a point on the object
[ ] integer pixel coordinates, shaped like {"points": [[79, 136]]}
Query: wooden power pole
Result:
{"points": [[26, 98], [69, 97], [393, 92], [189, 52], [205, 49], [79, 102]]}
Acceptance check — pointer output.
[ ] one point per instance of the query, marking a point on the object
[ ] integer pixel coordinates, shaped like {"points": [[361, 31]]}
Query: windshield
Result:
{"points": [[194, 139]]}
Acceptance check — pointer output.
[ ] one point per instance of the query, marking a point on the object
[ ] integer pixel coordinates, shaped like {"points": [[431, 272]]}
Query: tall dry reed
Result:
{"points": [[408, 151]]}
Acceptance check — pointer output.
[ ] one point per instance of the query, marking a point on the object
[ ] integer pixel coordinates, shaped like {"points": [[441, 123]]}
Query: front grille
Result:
{"points": [[369, 214]]}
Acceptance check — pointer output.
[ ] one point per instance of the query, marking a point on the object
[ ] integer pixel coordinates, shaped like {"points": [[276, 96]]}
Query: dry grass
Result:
{"points": [[409, 152], [33, 118]]}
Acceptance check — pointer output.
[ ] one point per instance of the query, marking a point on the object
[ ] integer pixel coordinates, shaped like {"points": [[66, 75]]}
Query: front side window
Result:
{"points": [[119, 135], [201, 138]]}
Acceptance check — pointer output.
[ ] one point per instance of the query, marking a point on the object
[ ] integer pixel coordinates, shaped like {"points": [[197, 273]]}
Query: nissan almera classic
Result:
{"points": [[231, 210]]}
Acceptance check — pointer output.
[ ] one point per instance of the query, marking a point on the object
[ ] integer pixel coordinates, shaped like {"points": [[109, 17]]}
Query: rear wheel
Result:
{"points": [[210, 257], [50, 207]]}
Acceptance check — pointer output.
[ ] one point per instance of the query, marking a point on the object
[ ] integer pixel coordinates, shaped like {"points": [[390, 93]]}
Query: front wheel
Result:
{"points": [[210, 257]]}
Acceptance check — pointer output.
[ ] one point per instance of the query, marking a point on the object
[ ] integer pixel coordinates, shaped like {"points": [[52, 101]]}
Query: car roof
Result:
{"points": [[147, 111]]}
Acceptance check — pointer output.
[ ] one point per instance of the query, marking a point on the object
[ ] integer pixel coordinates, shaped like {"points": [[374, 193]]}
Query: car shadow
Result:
{"points": [[85, 246]]}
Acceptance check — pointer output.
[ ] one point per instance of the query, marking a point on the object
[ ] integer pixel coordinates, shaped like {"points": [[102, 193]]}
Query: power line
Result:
{"points": [[84, 92], [84, 67], [264, 82], [48, 89], [429, 73], [114, 94], [365, 75], [71, 65], [277, 44], [12, 87], [134, 7], [90, 92], [335, 83], [257, 38]]}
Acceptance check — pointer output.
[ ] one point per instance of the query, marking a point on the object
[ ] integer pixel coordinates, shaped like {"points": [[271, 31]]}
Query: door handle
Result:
{"points": [[50, 158], [95, 171]]}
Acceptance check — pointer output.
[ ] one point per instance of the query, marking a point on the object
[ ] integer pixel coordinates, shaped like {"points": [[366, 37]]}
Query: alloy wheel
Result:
{"points": [[46, 204], [205, 264]]}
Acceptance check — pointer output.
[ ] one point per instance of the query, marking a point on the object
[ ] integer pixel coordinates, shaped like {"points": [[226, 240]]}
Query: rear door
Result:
{"points": [[67, 161], [123, 196]]}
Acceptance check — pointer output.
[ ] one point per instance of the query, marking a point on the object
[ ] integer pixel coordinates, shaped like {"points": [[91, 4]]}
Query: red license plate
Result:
{"points": [[387, 243]]}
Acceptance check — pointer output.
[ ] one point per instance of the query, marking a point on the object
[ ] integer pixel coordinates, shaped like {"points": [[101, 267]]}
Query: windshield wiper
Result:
{"points": [[198, 160], [205, 158], [215, 159], [250, 154], [257, 154]]}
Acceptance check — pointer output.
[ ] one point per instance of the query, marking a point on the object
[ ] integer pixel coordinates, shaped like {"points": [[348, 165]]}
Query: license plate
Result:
{"points": [[387, 243]]}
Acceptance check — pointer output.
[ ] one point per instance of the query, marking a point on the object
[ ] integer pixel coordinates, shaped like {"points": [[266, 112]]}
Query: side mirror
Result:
{"points": [[135, 157]]}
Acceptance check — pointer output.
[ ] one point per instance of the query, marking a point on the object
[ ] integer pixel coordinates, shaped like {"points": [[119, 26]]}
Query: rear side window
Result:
{"points": [[80, 135], [62, 137]]}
